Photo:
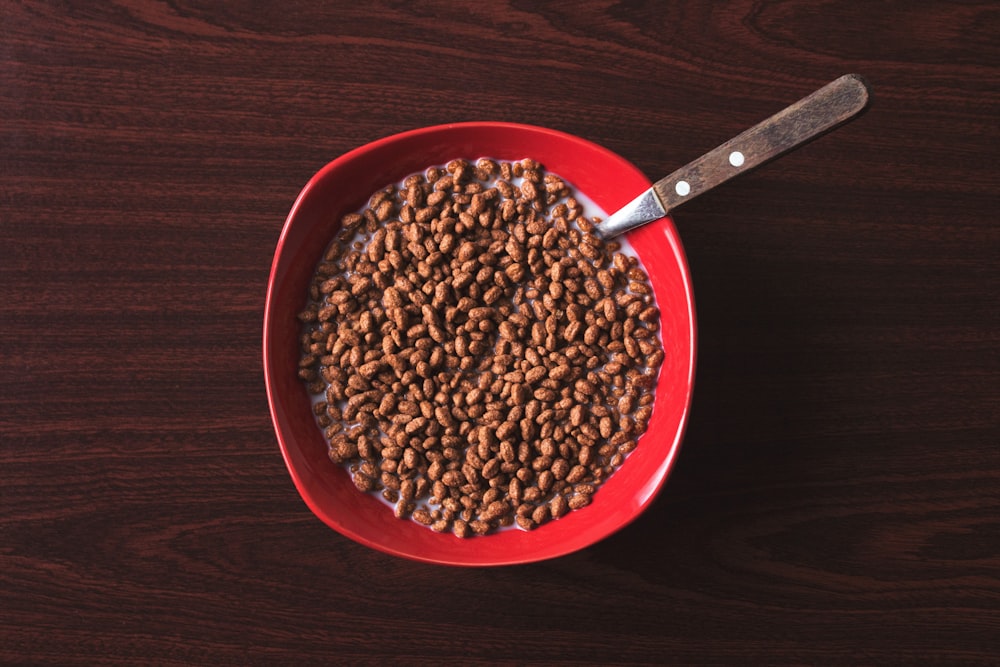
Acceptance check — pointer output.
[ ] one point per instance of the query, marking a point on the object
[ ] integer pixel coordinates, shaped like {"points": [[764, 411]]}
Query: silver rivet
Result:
{"points": [[736, 158], [682, 188]]}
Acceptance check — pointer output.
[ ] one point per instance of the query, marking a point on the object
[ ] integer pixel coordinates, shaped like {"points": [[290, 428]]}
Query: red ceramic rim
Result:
{"points": [[344, 185]]}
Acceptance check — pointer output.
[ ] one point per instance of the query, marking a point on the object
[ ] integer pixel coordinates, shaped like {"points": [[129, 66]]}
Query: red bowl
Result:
{"points": [[344, 185]]}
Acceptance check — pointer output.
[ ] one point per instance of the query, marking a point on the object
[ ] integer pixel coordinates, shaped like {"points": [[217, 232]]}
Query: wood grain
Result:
{"points": [[837, 498]]}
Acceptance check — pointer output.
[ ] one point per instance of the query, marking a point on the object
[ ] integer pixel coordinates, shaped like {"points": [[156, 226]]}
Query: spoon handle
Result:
{"points": [[830, 106]]}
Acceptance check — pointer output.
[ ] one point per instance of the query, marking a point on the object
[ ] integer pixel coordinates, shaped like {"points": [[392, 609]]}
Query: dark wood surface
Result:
{"points": [[837, 498]]}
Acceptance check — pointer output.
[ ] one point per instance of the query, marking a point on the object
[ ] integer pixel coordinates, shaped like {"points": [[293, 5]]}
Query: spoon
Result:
{"points": [[832, 105]]}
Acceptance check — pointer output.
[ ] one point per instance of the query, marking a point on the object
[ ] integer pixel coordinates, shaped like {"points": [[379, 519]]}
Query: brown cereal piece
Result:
{"points": [[460, 528], [422, 516], [558, 507], [525, 523], [479, 527], [540, 514]]}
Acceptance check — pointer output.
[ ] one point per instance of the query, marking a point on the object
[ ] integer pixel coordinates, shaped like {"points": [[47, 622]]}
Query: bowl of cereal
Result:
{"points": [[458, 369]]}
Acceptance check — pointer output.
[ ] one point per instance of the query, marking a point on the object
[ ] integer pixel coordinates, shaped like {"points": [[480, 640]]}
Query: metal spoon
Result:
{"points": [[818, 113]]}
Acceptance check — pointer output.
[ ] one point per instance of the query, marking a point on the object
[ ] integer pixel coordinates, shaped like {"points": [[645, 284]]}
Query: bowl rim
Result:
{"points": [[650, 494]]}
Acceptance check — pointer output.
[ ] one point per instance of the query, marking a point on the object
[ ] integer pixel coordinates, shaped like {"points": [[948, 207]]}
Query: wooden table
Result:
{"points": [[837, 498]]}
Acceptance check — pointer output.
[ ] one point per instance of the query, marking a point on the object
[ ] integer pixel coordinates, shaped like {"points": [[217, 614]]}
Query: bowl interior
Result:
{"points": [[343, 186]]}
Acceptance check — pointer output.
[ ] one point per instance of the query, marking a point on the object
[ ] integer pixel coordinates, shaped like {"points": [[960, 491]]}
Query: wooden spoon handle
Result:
{"points": [[830, 106]]}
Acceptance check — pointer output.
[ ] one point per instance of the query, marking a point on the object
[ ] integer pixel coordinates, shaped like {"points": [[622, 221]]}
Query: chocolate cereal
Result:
{"points": [[482, 358]]}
